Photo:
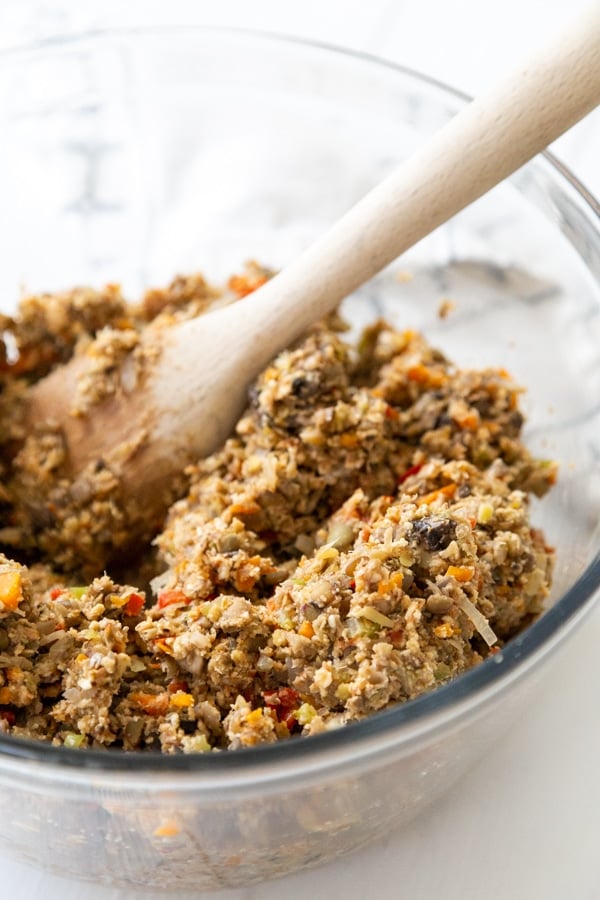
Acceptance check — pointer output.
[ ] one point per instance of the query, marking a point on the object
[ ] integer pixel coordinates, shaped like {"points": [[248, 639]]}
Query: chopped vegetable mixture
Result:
{"points": [[363, 537]]}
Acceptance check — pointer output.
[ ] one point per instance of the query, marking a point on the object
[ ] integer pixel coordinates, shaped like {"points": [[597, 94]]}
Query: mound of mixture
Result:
{"points": [[363, 537]]}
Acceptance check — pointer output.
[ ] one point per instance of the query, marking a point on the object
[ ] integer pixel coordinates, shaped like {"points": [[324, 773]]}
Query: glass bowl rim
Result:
{"points": [[475, 685]]}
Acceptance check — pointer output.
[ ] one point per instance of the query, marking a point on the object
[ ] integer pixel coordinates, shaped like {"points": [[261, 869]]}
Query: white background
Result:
{"points": [[525, 824]]}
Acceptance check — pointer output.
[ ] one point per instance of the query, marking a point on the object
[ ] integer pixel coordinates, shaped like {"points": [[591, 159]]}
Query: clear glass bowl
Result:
{"points": [[133, 156]]}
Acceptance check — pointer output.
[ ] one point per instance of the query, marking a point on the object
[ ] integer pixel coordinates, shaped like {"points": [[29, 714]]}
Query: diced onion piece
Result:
{"points": [[478, 619], [373, 615], [305, 544], [52, 637], [327, 552], [159, 583], [264, 664], [137, 664], [340, 535]]}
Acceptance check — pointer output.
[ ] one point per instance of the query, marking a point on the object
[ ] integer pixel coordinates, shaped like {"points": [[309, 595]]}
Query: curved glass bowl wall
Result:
{"points": [[133, 156]]}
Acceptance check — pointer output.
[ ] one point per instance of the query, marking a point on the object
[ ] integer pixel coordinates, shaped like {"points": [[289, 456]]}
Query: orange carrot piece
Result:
{"points": [[11, 592], [461, 573], [445, 492]]}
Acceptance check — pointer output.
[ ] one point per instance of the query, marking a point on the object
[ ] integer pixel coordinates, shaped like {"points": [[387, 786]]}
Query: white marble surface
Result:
{"points": [[525, 824]]}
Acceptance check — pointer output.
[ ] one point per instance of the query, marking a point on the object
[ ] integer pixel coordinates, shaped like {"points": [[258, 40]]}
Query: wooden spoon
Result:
{"points": [[189, 402]]}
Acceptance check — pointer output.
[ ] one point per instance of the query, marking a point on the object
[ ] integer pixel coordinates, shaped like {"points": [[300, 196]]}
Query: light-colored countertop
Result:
{"points": [[524, 824]]}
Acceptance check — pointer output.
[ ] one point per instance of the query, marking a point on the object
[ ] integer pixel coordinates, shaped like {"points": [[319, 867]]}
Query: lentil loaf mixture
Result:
{"points": [[363, 537]]}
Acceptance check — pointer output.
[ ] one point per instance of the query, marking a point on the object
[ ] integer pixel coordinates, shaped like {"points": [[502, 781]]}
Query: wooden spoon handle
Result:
{"points": [[491, 138], [189, 401], [479, 147]]}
